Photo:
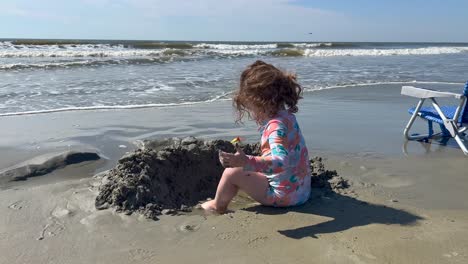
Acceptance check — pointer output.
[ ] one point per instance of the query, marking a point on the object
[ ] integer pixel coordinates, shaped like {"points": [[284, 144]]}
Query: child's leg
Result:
{"points": [[253, 183]]}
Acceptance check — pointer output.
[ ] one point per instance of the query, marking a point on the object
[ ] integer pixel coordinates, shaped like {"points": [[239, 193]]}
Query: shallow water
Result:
{"points": [[41, 76]]}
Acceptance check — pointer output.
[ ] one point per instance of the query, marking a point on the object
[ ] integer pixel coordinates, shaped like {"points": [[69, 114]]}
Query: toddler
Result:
{"points": [[280, 177]]}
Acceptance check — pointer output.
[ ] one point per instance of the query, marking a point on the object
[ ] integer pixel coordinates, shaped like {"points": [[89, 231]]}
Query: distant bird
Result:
{"points": [[310, 33]]}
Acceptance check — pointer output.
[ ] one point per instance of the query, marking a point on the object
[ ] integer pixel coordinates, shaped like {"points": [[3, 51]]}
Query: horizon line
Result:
{"points": [[244, 41]]}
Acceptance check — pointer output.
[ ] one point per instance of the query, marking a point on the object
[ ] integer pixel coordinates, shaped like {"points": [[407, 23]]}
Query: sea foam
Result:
{"points": [[202, 50]]}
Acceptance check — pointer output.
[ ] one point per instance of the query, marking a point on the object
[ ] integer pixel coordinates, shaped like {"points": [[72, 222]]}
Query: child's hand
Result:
{"points": [[238, 159]]}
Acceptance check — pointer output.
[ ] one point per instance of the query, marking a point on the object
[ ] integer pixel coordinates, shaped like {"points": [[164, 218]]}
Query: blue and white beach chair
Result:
{"points": [[453, 120]]}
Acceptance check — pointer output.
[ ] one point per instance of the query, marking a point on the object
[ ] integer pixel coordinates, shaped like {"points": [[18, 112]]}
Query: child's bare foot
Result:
{"points": [[210, 206]]}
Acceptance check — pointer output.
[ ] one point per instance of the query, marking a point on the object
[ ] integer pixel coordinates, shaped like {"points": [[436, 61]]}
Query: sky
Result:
{"points": [[238, 20]]}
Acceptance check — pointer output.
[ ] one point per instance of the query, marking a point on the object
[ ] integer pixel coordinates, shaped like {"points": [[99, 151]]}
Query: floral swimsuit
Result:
{"points": [[284, 161]]}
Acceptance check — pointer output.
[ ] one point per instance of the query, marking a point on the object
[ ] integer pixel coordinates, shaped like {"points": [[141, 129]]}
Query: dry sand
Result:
{"points": [[398, 209]]}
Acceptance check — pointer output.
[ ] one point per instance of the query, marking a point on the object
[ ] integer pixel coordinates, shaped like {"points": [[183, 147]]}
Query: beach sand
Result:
{"points": [[398, 209]]}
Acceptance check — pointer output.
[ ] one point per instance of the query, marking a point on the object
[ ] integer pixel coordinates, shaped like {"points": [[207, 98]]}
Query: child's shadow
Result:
{"points": [[347, 212]]}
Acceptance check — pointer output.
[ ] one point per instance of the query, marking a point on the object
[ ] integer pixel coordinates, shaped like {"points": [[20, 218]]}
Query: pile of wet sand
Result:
{"points": [[173, 175], [326, 180]]}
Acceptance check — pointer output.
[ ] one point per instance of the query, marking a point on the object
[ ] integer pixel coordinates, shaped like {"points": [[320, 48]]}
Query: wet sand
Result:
{"points": [[399, 209]]}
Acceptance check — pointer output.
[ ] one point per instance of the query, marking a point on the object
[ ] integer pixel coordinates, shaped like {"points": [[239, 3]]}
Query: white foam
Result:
{"points": [[235, 46], [10, 66], [246, 52], [100, 50], [159, 87], [318, 88], [311, 45], [115, 107], [9, 50], [317, 52], [383, 52]]}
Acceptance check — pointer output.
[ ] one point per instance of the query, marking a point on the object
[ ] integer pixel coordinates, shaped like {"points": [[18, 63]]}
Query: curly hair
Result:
{"points": [[267, 89]]}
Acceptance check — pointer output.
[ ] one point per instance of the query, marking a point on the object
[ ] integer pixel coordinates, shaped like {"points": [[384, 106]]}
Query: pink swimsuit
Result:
{"points": [[284, 161]]}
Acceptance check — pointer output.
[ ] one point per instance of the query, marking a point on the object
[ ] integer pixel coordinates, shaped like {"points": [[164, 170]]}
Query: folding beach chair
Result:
{"points": [[453, 120]]}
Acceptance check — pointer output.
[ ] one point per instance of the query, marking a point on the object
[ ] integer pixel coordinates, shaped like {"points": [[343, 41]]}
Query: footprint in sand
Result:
{"points": [[257, 240], [51, 229], [54, 226], [191, 225], [189, 228], [18, 205], [142, 255], [233, 235]]}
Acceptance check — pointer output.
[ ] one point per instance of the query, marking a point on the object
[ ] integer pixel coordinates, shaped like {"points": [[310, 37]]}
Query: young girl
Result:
{"points": [[281, 175]]}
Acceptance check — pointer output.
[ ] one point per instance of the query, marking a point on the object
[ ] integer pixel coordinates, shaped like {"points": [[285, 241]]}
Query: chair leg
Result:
{"points": [[404, 148], [411, 122], [445, 132], [452, 127], [462, 144], [430, 128]]}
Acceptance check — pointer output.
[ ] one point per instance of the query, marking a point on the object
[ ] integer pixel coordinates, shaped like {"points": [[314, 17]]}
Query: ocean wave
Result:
{"points": [[76, 43], [235, 46], [279, 45], [347, 85], [83, 63], [313, 45], [173, 44], [161, 45], [203, 50], [11, 45], [316, 45], [177, 52], [284, 45], [362, 52], [294, 52], [221, 97], [48, 42], [98, 52], [288, 53], [383, 52], [20, 66]]}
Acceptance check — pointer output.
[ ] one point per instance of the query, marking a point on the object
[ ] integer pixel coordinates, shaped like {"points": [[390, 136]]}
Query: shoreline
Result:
{"points": [[308, 91]]}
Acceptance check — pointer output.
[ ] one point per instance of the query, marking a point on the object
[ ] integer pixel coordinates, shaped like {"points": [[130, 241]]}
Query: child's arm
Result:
{"points": [[277, 161]]}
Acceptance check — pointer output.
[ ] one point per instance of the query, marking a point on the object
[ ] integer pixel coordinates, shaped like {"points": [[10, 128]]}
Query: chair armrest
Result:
{"points": [[427, 93]]}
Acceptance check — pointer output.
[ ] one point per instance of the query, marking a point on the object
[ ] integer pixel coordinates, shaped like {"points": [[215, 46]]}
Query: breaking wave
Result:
{"points": [[384, 52], [48, 54], [11, 50], [373, 83]]}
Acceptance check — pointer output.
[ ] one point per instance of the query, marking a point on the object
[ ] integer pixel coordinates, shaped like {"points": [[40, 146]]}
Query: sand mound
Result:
{"points": [[326, 180], [46, 163], [166, 176]]}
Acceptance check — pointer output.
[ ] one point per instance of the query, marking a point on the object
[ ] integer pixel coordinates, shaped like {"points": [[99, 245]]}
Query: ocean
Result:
{"points": [[41, 76]]}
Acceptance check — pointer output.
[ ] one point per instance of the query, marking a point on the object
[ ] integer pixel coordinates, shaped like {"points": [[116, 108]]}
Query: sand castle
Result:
{"points": [[173, 175]]}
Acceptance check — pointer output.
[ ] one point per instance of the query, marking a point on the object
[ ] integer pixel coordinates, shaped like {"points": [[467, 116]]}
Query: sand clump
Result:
{"points": [[326, 180], [172, 175]]}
